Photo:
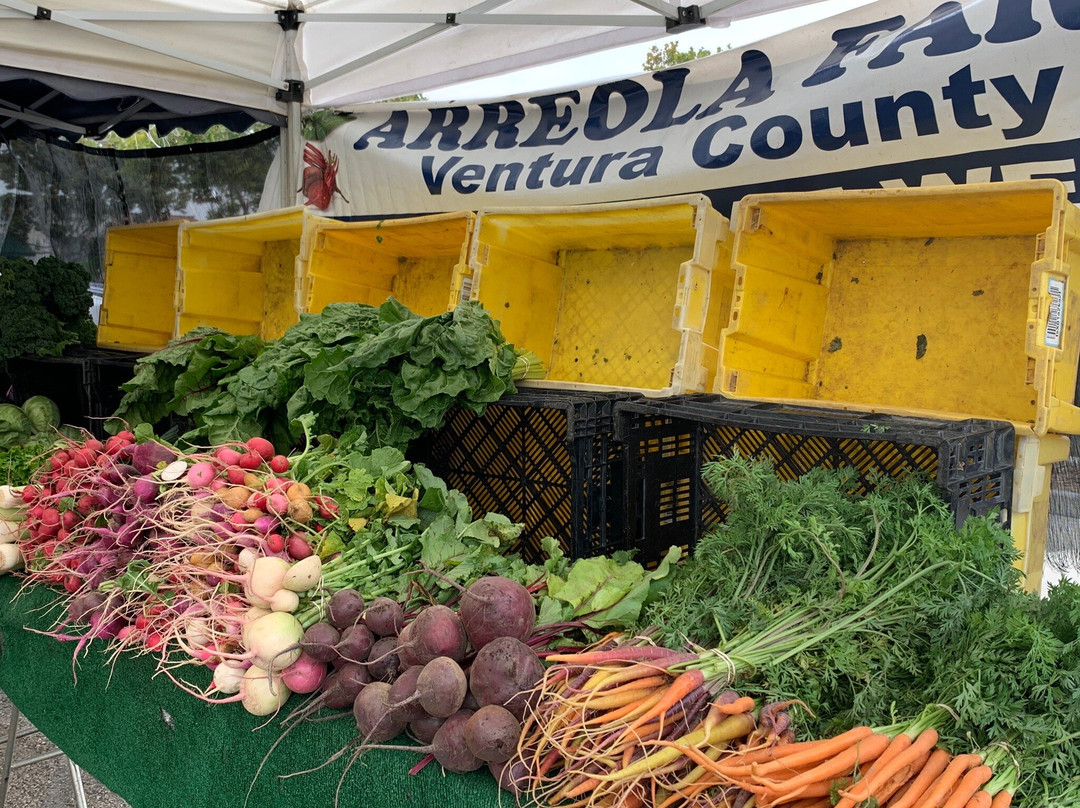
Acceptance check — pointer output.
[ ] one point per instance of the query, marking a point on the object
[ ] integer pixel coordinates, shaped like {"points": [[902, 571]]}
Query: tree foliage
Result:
{"points": [[669, 54]]}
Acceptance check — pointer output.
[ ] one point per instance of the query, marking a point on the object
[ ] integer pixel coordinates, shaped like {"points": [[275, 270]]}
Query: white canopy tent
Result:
{"points": [[81, 67]]}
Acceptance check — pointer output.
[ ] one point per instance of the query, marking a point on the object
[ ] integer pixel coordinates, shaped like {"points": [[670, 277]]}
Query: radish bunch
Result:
{"points": [[177, 554]]}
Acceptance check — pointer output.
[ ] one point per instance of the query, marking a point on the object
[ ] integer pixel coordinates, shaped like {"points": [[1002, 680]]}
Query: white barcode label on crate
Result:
{"points": [[1056, 288], [466, 287]]}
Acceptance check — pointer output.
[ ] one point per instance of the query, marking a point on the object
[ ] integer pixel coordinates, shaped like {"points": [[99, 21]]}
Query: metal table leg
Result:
{"points": [[9, 750], [13, 733], [76, 784]]}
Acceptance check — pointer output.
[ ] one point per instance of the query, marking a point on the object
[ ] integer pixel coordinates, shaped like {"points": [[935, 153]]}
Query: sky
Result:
{"points": [[627, 60]]}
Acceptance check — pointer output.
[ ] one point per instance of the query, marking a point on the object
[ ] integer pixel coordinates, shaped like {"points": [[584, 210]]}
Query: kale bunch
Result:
{"points": [[44, 307]]}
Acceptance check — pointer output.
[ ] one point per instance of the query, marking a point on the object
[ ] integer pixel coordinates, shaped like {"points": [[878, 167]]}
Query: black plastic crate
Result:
{"points": [[544, 458], [64, 379], [666, 441], [109, 370], [84, 383]]}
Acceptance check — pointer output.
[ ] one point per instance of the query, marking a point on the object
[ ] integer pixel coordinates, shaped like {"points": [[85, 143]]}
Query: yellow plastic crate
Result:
{"points": [[239, 274], [137, 308], [947, 302], [627, 296], [1031, 501], [365, 262]]}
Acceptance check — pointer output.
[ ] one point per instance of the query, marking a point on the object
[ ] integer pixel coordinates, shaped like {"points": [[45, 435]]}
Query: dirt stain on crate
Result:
{"points": [[920, 346]]}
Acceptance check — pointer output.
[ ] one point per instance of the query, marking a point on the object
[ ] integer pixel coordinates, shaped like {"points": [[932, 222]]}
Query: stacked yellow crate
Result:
{"points": [[951, 302]]}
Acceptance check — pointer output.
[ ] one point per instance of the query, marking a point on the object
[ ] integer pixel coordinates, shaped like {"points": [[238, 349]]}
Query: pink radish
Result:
{"points": [[200, 475]]}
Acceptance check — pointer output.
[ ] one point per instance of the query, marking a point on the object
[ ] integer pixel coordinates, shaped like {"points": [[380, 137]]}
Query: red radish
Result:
{"points": [[50, 516], [278, 504], [238, 518], [28, 493], [279, 464], [258, 500], [328, 509], [298, 546], [200, 475], [251, 460], [275, 542], [217, 484], [126, 436], [261, 447], [227, 455], [236, 474], [94, 445], [305, 675], [69, 519]]}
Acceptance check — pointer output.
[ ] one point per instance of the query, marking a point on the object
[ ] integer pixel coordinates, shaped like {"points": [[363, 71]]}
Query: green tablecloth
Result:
{"points": [[158, 747]]}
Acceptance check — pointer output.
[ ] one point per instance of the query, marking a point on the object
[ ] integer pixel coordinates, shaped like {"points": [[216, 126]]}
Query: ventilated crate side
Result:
{"points": [[667, 442], [546, 461]]}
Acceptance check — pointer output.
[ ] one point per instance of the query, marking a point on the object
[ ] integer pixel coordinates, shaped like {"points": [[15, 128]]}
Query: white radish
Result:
{"points": [[10, 557], [250, 616], [262, 695], [228, 678], [10, 532], [255, 601], [13, 514], [10, 497], [174, 471], [266, 576], [196, 633], [303, 575], [285, 600], [246, 558], [274, 640]]}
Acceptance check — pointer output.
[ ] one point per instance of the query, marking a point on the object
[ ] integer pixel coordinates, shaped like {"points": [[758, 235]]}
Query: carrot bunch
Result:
{"points": [[624, 725], [892, 767]]}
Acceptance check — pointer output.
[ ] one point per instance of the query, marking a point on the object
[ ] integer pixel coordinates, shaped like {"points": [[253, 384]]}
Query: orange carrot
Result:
{"points": [[939, 759], [975, 779], [947, 780], [582, 788], [893, 785], [814, 752], [684, 684], [886, 766], [810, 802], [743, 704], [1003, 799], [625, 711], [633, 684], [823, 788], [859, 753], [982, 799]]}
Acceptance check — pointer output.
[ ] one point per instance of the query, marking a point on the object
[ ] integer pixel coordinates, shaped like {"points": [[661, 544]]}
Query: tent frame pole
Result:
{"points": [[293, 135]]}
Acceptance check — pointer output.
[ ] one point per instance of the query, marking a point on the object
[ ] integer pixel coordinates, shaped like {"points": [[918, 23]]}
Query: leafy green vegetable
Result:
{"points": [[961, 634], [15, 427], [19, 463], [44, 307], [385, 370], [183, 379], [43, 413]]}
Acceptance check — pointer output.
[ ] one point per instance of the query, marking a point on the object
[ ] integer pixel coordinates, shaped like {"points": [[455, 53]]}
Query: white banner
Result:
{"points": [[897, 93]]}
